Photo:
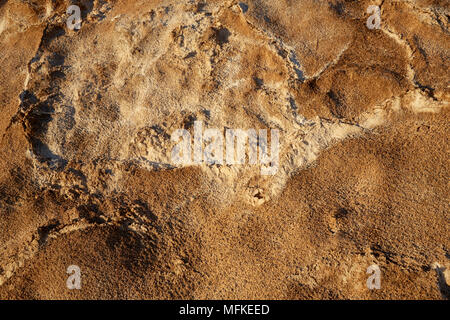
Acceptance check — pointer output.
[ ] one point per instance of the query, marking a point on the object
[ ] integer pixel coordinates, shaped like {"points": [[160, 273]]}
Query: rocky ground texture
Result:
{"points": [[86, 175]]}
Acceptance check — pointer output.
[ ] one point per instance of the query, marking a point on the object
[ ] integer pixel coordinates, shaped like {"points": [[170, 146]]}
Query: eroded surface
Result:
{"points": [[87, 177]]}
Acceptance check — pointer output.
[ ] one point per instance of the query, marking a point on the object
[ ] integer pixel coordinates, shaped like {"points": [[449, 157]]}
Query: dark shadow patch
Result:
{"points": [[27, 99], [189, 122], [51, 33], [259, 82], [341, 213], [425, 268], [55, 75], [44, 231], [333, 96], [190, 55], [258, 196], [444, 288], [243, 6], [90, 212], [337, 107], [46, 155], [312, 85], [428, 90], [377, 251], [293, 104], [297, 66], [421, 49], [338, 8], [56, 60], [142, 209], [201, 6], [37, 119], [222, 36], [207, 113], [86, 7]]}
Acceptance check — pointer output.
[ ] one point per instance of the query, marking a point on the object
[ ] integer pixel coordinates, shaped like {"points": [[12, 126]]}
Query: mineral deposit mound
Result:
{"points": [[218, 149]]}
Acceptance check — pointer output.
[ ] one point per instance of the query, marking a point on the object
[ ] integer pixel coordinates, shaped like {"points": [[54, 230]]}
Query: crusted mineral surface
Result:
{"points": [[88, 179]]}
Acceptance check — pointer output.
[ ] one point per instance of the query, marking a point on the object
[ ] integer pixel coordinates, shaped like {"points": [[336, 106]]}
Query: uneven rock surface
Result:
{"points": [[87, 177]]}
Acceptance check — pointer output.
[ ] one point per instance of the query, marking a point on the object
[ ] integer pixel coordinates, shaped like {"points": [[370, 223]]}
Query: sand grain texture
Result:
{"points": [[87, 178]]}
